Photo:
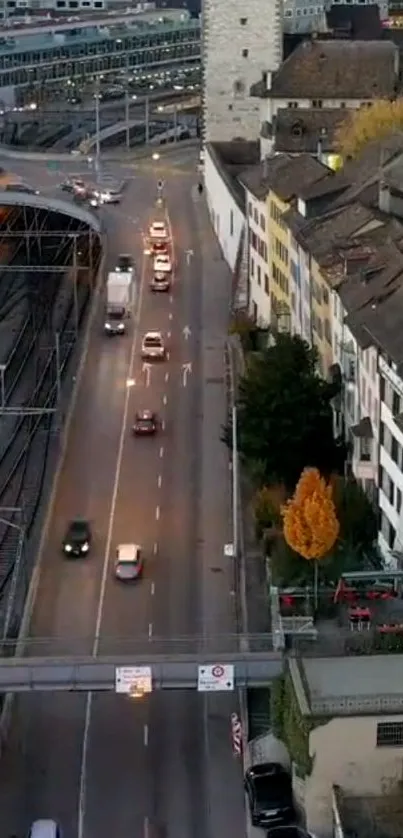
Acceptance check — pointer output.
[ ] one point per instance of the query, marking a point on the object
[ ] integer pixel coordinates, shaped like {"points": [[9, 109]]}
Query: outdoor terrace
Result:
{"points": [[363, 615], [371, 817]]}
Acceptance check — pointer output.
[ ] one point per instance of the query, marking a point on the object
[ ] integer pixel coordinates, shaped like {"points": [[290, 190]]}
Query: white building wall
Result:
{"points": [[226, 216], [391, 463], [239, 43], [296, 298], [345, 753], [258, 266], [305, 299], [369, 399]]}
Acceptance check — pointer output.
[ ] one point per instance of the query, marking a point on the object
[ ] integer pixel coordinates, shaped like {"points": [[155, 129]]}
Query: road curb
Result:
{"points": [[6, 712]]}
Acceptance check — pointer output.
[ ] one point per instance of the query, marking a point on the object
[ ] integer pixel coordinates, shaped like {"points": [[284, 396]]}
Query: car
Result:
{"points": [[70, 184], [158, 247], [21, 187], [145, 423], [292, 831], [160, 282], [125, 264], [114, 325], [129, 562], [79, 187], [152, 347], [162, 264], [269, 790], [158, 230], [108, 196], [77, 541], [45, 828]]}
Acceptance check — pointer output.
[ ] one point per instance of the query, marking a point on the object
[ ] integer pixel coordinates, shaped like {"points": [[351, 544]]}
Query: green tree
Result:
{"points": [[356, 515], [284, 414]]}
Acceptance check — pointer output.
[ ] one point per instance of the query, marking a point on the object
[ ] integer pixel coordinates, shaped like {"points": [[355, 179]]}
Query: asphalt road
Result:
{"points": [[108, 765]]}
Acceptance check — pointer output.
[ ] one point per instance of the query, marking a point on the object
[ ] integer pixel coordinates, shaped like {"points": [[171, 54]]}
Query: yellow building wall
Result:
{"points": [[321, 317], [279, 249]]}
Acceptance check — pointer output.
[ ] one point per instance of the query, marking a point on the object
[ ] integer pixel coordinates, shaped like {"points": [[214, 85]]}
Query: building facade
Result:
{"points": [[390, 459], [239, 44]]}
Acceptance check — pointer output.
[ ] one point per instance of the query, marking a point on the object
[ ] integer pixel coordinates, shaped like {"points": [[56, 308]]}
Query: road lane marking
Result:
{"points": [[170, 315], [145, 735], [157, 513], [167, 356], [146, 827], [155, 550], [166, 376], [105, 567], [161, 452], [164, 400], [150, 629], [169, 335], [171, 299], [163, 425], [152, 588], [159, 481]]}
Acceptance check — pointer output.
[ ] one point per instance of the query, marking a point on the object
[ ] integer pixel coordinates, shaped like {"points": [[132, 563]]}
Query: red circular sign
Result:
{"points": [[218, 671]]}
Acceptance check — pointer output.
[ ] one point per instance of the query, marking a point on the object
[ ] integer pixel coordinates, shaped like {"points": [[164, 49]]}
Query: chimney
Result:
{"points": [[384, 197]]}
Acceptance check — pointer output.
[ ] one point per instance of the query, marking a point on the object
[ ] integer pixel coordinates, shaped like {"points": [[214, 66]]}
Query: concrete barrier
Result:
{"points": [[6, 712], [117, 157]]}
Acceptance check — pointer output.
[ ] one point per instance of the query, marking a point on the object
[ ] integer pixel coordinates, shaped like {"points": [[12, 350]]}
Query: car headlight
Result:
{"points": [[85, 547], [121, 327], [68, 548]]}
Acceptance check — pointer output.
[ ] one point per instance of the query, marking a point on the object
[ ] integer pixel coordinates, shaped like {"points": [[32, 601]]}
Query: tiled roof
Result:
{"points": [[302, 130], [323, 235], [335, 69], [231, 159], [283, 175], [360, 22]]}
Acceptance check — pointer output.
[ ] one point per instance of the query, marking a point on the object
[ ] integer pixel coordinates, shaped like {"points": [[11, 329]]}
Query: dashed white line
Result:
{"points": [[169, 335], [152, 588], [171, 317], [167, 356], [150, 629], [145, 735], [161, 452], [159, 481], [163, 425], [171, 299], [146, 827], [155, 549], [157, 513], [167, 376], [164, 400]]}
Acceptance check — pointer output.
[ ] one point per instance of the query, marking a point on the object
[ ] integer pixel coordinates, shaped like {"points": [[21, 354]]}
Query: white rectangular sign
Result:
{"points": [[133, 679], [217, 677]]}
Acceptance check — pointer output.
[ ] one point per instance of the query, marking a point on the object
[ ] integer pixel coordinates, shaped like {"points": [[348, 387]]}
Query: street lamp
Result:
{"points": [[155, 156]]}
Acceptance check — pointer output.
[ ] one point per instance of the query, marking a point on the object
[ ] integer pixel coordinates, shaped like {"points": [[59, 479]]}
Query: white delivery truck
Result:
{"points": [[119, 301]]}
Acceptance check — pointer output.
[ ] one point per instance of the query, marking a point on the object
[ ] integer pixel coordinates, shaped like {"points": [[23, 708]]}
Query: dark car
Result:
{"points": [[125, 264], [21, 187], [145, 423], [292, 831], [158, 248], [77, 540], [269, 790]]}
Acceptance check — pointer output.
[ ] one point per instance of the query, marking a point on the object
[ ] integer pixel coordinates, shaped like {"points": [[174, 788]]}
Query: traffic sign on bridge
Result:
{"points": [[133, 680], [215, 678]]}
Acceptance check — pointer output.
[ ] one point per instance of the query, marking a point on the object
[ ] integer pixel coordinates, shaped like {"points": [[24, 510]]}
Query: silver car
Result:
{"points": [[152, 347]]}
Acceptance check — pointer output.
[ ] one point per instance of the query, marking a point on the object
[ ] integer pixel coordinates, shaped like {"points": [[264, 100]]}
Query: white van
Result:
{"points": [[45, 828]]}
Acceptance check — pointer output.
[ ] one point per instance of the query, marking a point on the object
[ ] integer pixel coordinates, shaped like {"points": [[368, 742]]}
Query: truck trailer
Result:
{"points": [[119, 301]]}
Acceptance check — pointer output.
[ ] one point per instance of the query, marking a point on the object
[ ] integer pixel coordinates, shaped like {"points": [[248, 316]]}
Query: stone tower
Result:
{"points": [[241, 40]]}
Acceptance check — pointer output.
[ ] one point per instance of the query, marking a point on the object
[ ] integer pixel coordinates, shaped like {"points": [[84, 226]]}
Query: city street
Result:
{"points": [[162, 766]]}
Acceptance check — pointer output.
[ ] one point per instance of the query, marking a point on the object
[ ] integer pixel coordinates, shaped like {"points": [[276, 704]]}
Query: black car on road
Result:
{"points": [[269, 790], [145, 423], [77, 540], [124, 264]]}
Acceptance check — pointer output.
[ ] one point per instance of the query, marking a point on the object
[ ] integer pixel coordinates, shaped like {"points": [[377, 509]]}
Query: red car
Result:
{"points": [[145, 423]]}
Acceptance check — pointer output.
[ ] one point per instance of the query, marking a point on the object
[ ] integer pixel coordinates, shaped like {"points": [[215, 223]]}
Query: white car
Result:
{"points": [[158, 230], [152, 347], [108, 196], [162, 264]]}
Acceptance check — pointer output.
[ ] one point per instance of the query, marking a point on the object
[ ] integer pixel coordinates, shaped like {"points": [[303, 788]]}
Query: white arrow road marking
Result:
{"points": [[186, 369], [147, 371], [186, 332]]}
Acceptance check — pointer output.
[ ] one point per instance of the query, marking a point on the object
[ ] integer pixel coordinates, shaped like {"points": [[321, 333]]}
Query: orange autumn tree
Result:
{"points": [[310, 522]]}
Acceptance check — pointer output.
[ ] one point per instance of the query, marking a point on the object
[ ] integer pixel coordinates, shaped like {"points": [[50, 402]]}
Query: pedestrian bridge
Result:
{"points": [[176, 670]]}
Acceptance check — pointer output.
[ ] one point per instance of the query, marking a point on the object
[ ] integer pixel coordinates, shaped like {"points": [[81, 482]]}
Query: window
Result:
{"points": [[243, 21], [325, 295], [389, 735], [317, 103], [266, 284], [262, 222], [398, 500], [391, 492], [252, 267], [328, 334], [394, 451], [259, 275], [382, 389], [255, 216], [231, 223], [395, 403], [245, 53], [250, 210]]}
